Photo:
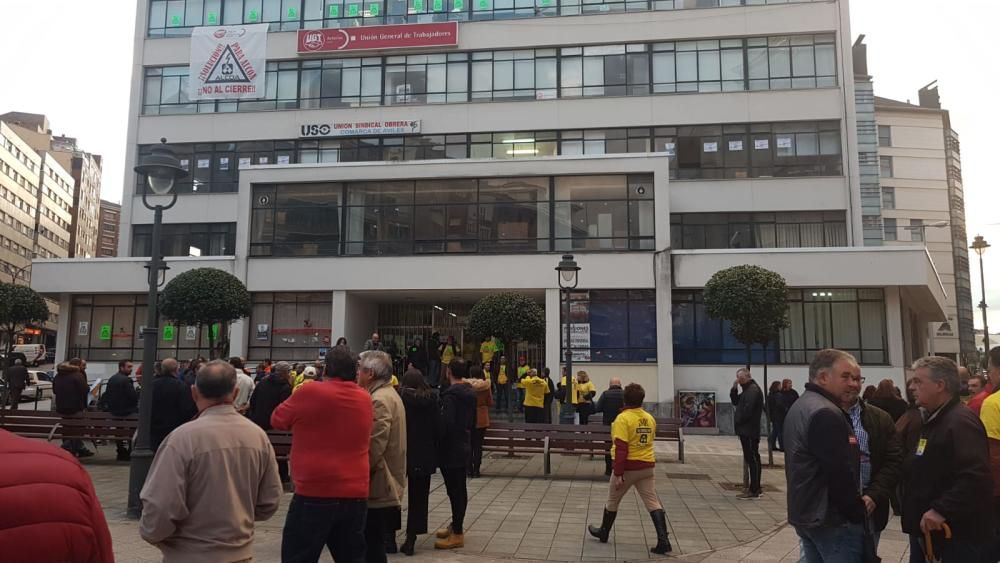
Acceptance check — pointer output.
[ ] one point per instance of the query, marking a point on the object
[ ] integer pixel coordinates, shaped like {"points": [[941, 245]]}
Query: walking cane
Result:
{"points": [[928, 545]]}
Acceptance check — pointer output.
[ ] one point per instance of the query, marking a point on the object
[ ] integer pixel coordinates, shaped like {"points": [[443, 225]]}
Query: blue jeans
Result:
{"points": [[314, 523], [434, 375], [840, 544], [948, 551]]}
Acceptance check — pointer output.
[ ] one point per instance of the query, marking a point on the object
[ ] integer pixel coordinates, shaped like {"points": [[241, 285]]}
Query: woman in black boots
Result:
{"points": [[421, 404], [633, 433]]}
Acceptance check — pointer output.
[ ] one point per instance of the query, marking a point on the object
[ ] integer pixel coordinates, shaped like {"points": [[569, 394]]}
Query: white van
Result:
{"points": [[35, 353]]}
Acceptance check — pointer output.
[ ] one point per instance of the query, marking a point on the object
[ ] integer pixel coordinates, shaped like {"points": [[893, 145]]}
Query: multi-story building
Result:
{"points": [[390, 189], [107, 244], [36, 201], [85, 169], [923, 204]]}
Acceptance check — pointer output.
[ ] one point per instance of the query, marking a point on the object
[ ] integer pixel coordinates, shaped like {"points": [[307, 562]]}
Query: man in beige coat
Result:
{"points": [[211, 479], [386, 454]]}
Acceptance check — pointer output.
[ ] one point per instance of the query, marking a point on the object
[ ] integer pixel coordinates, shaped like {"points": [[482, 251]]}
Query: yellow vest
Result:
{"points": [[502, 378], [487, 349], [637, 428], [535, 390], [990, 415], [448, 354], [580, 390]]}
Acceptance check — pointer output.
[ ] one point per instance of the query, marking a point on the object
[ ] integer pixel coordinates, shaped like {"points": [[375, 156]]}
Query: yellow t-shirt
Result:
{"points": [[487, 349], [990, 415], [301, 384], [637, 428], [448, 354], [502, 378], [523, 370], [394, 381], [535, 390], [486, 375], [580, 390]]}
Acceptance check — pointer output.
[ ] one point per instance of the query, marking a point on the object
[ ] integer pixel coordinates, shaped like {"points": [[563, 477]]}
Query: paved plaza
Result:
{"points": [[515, 512]]}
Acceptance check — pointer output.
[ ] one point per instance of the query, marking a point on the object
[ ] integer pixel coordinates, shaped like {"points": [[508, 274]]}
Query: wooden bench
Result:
{"points": [[281, 442], [88, 425]]}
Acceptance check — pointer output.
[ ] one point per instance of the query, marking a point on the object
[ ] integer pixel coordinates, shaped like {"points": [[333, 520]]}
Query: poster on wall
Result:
{"points": [[83, 329], [263, 331], [190, 333], [579, 339], [696, 409], [228, 62]]}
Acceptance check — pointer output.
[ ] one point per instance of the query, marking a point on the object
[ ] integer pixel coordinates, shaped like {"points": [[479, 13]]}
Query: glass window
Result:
{"points": [[889, 228], [885, 166], [917, 230], [612, 326], [290, 326], [758, 230], [884, 136], [187, 239], [888, 198]]}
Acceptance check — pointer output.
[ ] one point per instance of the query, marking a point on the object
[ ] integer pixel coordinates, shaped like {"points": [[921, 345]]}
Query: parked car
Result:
{"points": [[35, 353], [37, 382]]}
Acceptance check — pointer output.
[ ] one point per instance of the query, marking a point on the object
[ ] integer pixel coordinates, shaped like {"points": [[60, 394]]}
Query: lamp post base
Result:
{"points": [[142, 460], [567, 414]]}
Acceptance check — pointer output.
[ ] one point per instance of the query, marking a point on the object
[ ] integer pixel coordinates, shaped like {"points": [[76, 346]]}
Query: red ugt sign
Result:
{"points": [[407, 36]]}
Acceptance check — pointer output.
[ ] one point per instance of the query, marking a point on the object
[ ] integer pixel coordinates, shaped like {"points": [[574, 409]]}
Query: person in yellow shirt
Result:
{"points": [[503, 386], [522, 371], [449, 351], [584, 392], [535, 389], [632, 435]]}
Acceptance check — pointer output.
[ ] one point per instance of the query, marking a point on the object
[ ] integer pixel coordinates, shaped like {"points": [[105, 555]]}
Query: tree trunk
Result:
{"points": [[767, 413]]}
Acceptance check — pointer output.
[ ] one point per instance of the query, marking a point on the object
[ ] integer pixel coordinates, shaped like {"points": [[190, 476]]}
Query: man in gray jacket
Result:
{"points": [[823, 463], [749, 405]]}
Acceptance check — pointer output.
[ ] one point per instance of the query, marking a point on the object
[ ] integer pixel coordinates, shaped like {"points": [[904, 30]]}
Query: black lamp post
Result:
{"points": [[980, 245], [568, 271], [161, 169]]}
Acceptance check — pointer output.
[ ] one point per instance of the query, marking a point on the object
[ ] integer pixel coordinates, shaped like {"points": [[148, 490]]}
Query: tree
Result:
{"points": [[508, 317], [206, 297], [755, 302], [20, 306]]}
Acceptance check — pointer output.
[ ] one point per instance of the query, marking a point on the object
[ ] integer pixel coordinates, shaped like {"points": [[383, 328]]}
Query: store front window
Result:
{"points": [[290, 326], [612, 326]]}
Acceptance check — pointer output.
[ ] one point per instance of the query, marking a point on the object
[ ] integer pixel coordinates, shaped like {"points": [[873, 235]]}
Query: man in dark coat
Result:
{"points": [[947, 478], [172, 403], [17, 380], [70, 390], [273, 390], [416, 355], [881, 453], [749, 405], [458, 419], [609, 405], [120, 399]]}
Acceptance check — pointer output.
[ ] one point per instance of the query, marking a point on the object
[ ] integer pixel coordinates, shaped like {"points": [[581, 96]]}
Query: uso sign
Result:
{"points": [[374, 37]]}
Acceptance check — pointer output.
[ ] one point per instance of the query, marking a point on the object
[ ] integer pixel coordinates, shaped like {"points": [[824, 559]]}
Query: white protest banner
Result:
{"points": [[227, 63]]}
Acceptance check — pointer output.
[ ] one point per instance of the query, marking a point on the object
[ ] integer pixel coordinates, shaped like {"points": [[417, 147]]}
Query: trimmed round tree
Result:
{"points": [[755, 302], [20, 306], [205, 297], [509, 317]]}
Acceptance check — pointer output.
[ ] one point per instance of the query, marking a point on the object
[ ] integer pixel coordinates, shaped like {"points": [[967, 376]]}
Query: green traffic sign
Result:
{"points": [[292, 14], [213, 18], [373, 10], [438, 5], [418, 5], [105, 332], [176, 21], [333, 11], [352, 10], [252, 16], [459, 5], [168, 333], [484, 4], [215, 332]]}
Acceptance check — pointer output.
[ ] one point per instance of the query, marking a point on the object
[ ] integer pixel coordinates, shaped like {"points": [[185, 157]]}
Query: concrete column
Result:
{"points": [[553, 330], [338, 327], [894, 333], [64, 327], [238, 335], [664, 330]]}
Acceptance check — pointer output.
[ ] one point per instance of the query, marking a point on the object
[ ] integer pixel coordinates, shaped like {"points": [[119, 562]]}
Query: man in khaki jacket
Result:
{"points": [[211, 479], [386, 454]]}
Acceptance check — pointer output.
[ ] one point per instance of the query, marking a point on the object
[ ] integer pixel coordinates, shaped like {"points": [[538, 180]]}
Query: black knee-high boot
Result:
{"points": [[606, 523], [662, 542]]}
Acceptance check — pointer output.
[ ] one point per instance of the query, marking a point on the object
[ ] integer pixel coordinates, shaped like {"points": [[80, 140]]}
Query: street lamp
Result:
{"points": [[161, 170], [568, 271], [980, 245]]}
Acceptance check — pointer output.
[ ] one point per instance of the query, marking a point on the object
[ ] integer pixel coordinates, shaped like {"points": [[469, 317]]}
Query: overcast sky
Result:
{"points": [[72, 60]]}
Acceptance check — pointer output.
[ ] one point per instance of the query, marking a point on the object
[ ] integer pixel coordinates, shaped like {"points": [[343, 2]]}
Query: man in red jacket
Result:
{"points": [[331, 423], [49, 510]]}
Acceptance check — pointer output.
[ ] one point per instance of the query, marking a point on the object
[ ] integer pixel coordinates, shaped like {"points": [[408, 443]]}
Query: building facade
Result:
{"points": [[110, 221], [36, 200], [390, 189], [923, 205], [83, 166]]}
